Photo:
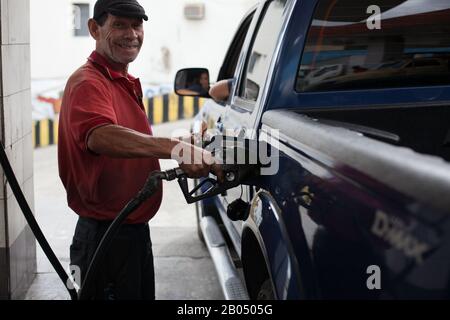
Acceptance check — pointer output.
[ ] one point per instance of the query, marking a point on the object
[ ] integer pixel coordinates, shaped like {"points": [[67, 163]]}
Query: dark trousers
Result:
{"points": [[127, 270]]}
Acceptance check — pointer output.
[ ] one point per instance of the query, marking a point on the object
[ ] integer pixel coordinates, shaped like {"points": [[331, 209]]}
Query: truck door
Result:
{"points": [[252, 80]]}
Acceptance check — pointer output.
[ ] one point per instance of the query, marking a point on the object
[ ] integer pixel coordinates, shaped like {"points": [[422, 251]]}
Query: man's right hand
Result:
{"points": [[197, 162]]}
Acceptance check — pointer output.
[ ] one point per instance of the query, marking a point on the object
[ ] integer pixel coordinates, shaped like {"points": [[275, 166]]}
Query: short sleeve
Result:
{"points": [[90, 106]]}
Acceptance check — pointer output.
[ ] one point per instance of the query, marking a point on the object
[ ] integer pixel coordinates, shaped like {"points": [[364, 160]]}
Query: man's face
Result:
{"points": [[204, 80], [120, 39]]}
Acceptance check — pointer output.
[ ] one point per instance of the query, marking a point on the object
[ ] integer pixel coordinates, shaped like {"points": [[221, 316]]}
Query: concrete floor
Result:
{"points": [[183, 268]]}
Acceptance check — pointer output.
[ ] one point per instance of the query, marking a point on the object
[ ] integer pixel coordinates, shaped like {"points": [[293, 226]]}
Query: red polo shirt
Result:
{"points": [[99, 186]]}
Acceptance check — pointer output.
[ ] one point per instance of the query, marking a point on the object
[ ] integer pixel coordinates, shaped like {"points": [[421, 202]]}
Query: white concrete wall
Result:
{"points": [[16, 103], [16, 125], [56, 53]]}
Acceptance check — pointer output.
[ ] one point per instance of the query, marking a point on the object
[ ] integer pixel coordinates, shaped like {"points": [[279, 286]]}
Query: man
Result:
{"points": [[106, 150], [201, 84], [220, 91]]}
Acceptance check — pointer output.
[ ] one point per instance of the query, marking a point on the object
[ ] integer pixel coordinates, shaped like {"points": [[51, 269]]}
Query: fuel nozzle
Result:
{"points": [[172, 174], [239, 162], [208, 187]]}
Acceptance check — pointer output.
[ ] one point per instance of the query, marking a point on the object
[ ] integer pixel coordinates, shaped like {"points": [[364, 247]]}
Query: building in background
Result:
{"points": [[178, 34]]}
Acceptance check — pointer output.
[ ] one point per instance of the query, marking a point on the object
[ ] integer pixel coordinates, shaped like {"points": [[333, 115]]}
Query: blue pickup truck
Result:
{"points": [[355, 98]]}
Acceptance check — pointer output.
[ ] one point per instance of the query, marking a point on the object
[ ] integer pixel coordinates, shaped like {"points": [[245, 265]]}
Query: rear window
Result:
{"points": [[397, 43]]}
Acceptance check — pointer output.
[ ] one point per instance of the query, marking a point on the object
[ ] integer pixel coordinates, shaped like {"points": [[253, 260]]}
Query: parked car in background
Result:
{"points": [[411, 71], [324, 73]]}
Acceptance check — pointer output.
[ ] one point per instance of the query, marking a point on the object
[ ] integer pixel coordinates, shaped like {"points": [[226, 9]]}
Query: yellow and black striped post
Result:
{"points": [[45, 132], [171, 107]]}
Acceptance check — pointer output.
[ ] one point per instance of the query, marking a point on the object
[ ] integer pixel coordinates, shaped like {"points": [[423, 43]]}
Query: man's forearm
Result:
{"points": [[119, 142]]}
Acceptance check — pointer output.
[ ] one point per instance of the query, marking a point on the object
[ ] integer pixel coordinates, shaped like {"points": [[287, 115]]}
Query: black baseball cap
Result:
{"points": [[120, 8]]}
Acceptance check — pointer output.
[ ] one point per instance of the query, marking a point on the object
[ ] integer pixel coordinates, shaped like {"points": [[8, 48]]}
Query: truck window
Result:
{"points": [[231, 58], [262, 48], [347, 48]]}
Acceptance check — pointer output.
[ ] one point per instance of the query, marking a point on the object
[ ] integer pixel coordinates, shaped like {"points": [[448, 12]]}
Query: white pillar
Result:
{"points": [[17, 244]]}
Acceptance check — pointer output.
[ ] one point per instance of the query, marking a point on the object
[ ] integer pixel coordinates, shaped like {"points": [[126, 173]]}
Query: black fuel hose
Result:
{"points": [[150, 187], [23, 204]]}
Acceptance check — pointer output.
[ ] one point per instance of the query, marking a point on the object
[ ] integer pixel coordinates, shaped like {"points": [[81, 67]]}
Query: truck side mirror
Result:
{"points": [[193, 82]]}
